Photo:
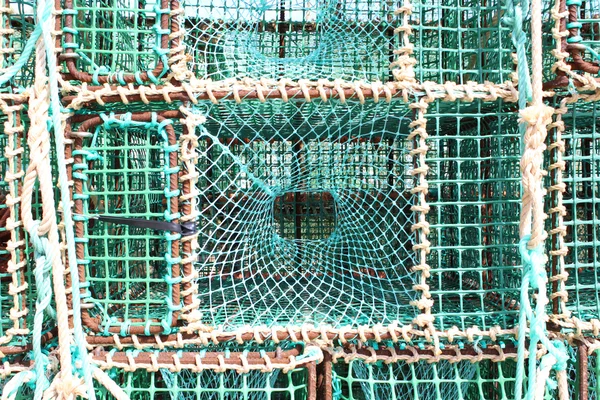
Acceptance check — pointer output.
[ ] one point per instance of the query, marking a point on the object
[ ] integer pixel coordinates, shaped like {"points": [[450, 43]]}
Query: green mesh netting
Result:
{"points": [[461, 40], [422, 380], [581, 176], [474, 185], [18, 298], [305, 213], [109, 38], [16, 27], [292, 39], [128, 169], [210, 385]]}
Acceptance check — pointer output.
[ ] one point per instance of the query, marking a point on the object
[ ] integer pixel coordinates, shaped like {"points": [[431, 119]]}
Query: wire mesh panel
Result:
{"points": [[14, 274], [461, 41], [474, 198], [16, 25], [581, 176], [126, 190], [211, 385], [423, 380], [116, 41], [305, 213], [295, 39]]}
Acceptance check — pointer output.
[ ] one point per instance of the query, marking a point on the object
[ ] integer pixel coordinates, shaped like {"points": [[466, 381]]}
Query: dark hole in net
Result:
{"points": [[304, 215]]}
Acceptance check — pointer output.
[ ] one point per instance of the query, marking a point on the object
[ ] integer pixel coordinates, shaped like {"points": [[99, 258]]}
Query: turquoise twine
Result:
{"points": [[534, 277], [44, 295], [514, 17], [16, 383], [24, 57], [80, 351]]}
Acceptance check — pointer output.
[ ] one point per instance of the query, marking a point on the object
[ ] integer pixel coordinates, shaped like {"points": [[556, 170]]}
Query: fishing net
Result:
{"points": [[206, 385], [461, 41], [305, 213], [16, 26], [291, 39], [127, 167], [106, 40], [423, 380]]}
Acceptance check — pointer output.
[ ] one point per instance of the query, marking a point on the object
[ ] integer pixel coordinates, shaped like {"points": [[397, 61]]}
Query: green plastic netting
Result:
{"points": [[128, 168], [581, 201], [305, 215], [461, 41], [422, 380], [292, 39], [474, 184], [108, 38], [209, 385], [455, 41]]}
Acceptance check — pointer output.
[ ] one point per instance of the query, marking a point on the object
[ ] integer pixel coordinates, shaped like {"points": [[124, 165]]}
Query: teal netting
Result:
{"points": [[475, 190], [295, 39], [581, 176], [129, 169], [461, 41], [422, 380], [210, 385], [305, 213], [106, 39]]}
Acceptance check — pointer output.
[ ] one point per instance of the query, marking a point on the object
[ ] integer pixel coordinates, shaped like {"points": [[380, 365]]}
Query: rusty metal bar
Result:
{"points": [[244, 93], [582, 370], [312, 381], [324, 378]]}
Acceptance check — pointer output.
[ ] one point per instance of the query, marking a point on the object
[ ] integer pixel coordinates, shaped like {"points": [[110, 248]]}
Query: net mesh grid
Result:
{"points": [[474, 185], [121, 41], [209, 385], [298, 198], [127, 41], [16, 290], [579, 199], [424, 380], [288, 193], [128, 168]]}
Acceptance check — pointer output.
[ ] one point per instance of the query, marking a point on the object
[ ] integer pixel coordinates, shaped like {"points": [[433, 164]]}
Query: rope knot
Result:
{"points": [[68, 387], [533, 262]]}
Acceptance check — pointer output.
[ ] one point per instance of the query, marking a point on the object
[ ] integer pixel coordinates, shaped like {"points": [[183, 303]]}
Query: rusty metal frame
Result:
{"points": [[167, 21], [576, 51], [78, 139]]}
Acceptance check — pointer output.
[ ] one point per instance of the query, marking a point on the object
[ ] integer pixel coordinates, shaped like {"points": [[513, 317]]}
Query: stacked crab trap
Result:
{"points": [[300, 199]]}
